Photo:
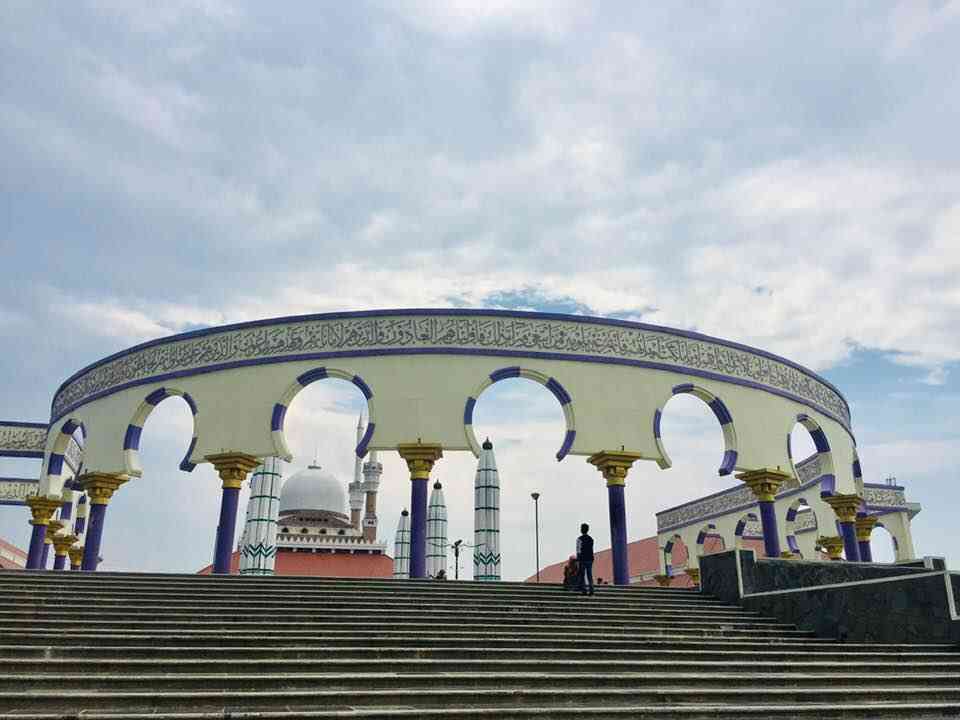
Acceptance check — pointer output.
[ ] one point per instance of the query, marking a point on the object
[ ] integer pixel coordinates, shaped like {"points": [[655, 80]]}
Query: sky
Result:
{"points": [[786, 176]]}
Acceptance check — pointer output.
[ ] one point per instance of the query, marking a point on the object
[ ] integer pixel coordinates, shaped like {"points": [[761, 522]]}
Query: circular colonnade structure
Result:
{"points": [[422, 372]]}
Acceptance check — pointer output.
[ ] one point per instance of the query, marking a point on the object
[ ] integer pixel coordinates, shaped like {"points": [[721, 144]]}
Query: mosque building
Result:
{"points": [[316, 525]]}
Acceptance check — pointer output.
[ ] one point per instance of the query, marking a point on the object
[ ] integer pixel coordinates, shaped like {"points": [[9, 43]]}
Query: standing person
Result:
{"points": [[585, 559]]}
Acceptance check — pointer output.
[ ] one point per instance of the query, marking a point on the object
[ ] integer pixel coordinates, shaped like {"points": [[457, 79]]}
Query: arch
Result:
{"points": [[279, 414], [56, 459], [880, 555], [730, 452], [675, 544], [708, 531], [827, 478], [559, 392], [742, 526], [131, 440], [790, 526]]}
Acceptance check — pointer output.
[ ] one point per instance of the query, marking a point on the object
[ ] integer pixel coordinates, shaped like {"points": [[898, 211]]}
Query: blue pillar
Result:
{"points": [[865, 553], [91, 545], [59, 561], [849, 534], [771, 535], [225, 530], [44, 554], [418, 527], [618, 534], [36, 545]]}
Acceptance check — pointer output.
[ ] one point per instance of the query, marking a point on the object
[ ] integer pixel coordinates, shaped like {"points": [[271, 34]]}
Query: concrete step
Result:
{"points": [[55, 670], [480, 682], [231, 701], [811, 711], [902, 657]]}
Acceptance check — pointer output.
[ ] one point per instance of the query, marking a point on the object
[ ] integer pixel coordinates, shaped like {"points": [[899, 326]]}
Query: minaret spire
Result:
{"points": [[486, 516], [355, 488]]}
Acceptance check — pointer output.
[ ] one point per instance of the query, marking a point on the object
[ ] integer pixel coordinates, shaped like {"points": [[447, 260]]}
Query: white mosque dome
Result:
{"points": [[313, 490]]}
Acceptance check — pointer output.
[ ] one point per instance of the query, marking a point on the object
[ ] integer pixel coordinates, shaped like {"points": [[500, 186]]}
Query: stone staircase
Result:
{"points": [[105, 645]]}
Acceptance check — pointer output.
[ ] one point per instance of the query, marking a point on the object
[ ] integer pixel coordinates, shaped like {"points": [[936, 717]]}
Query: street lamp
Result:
{"points": [[536, 526]]}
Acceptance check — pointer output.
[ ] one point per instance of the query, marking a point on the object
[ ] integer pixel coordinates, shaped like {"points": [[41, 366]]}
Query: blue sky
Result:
{"points": [[782, 176]]}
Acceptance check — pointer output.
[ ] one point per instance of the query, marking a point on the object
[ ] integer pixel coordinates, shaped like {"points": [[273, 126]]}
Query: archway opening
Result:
{"points": [[527, 426], [801, 529], [676, 556], [883, 545], [748, 533], [187, 501], [809, 451], [709, 540]]}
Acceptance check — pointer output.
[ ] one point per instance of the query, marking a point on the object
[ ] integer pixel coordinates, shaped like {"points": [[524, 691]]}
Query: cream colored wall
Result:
{"points": [[422, 397]]}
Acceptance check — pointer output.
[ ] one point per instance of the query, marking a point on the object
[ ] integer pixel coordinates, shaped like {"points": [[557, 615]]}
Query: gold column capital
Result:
{"points": [[233, 467], [694, 574], [62, 543], [864, 527], [42, 508], [420, 458], [100, 487], [76, 555], [614, 464], [55, 526], [662, 580], [845, 507], [765, 483], [832, 545]]}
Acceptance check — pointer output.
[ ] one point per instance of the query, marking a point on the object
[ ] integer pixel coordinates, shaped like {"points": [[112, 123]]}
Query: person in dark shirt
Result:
{"points": [[585, 559]]}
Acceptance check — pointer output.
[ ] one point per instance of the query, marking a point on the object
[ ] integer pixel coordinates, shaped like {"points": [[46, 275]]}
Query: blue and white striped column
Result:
{"points": [[486, 516], [436, 532], [401, 548], [258, 549]]}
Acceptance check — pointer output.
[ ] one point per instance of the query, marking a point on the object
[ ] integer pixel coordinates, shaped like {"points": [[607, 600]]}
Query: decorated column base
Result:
{"points": [[42, 509], [420, 459], [615, 466], [100, 487], [232, 467], [845, 507], [765, 483], [863, 526]]}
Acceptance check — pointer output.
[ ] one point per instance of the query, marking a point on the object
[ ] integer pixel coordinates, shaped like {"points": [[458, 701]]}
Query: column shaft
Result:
{"points": [[36, 546], [91, 546], [418, 527], [44, 555], [59, 562], [228, 521], [618, 534], [771, 534], [865, 554], [850, 548]]}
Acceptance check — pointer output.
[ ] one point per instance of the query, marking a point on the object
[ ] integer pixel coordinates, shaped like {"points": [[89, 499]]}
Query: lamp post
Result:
{"points": [[536, 528]]}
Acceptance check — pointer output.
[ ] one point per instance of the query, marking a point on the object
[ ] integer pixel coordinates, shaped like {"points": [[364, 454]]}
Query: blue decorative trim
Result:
{"points": [[276, 420], [157, 396], [364, 388], [468, 411], [567, 444], [185, 464], [312, 376], [789, 446], [365, 440], [720, 410], [684, 388], [729, 462], [55, 466], [857, 470], [70, 427], [559, 391], [504, 373], [884, 486], [820, 440], [657, 419], [191, 403], [21, 453], [132, 439], [19, 480], [828, 485], [31, 425]]}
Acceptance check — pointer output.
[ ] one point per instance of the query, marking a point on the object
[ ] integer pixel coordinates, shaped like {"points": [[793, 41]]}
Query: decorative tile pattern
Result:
{"points": [[17, 438], [520, 335], [16, 490]]}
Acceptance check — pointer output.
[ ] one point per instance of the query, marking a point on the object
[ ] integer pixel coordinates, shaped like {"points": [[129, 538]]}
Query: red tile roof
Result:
{"points": [[322, 565]]}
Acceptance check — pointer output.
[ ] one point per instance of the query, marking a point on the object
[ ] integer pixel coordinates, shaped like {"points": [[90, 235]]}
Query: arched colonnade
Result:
{"points": [[422, 372]]}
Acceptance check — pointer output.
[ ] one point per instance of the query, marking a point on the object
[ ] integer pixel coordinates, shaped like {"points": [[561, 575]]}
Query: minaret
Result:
{"points": [[258, 545], [355, 488], [436, 532], [372, 469], [401, 555], [486, 517]]}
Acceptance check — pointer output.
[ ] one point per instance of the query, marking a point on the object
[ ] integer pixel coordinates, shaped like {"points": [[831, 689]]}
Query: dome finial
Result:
{"points": [[487, 445]]}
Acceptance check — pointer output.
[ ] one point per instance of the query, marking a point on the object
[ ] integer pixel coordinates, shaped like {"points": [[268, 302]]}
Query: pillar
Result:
{"points": [[420, 460], [845, 507], [615, 466], [61, 546], [99, 487], [864, 528], [76, 556], [80, 523], [832, 545], [765, 483], [45, 554], [42, 508], [233, 468]]}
